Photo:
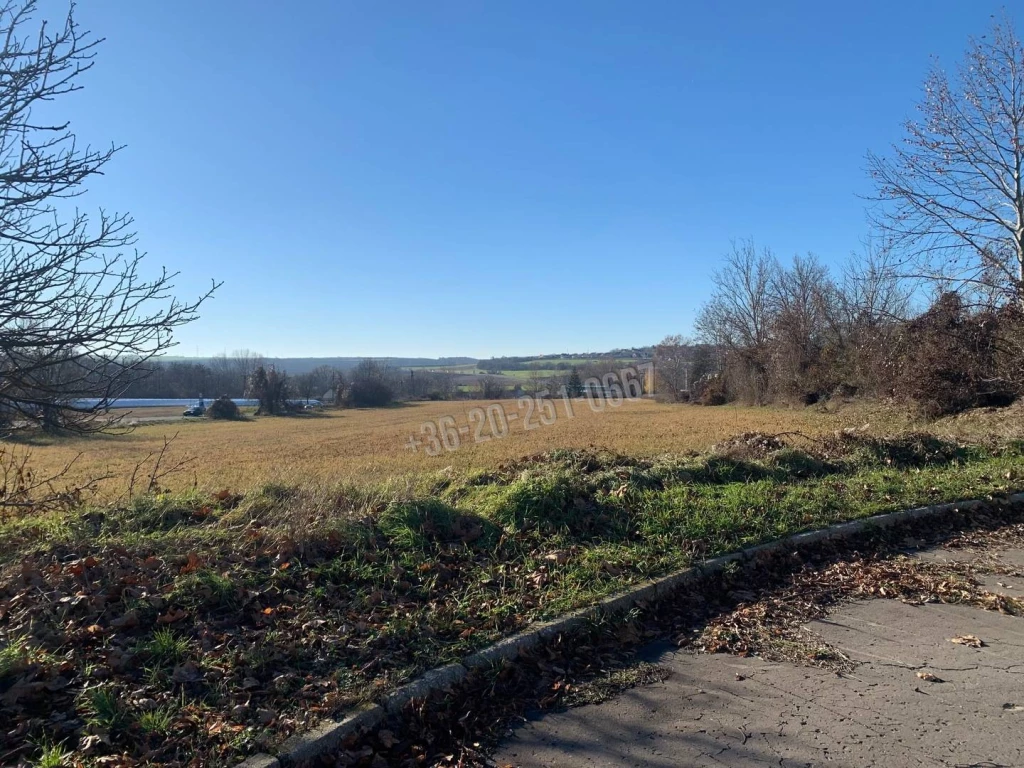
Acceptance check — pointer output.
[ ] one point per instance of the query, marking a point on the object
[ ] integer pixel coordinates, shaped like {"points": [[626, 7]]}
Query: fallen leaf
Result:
{"points": [[971, 641], [929, 677], [173, 615], [130, 619], [89, 744]]}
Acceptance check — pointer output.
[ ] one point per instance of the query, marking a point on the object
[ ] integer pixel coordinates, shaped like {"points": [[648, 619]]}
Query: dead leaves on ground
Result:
{"points": [[233, 649], [772, 625]]}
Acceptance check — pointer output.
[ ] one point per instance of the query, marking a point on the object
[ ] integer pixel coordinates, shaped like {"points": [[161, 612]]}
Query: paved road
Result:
{"points": [[723, 710]]}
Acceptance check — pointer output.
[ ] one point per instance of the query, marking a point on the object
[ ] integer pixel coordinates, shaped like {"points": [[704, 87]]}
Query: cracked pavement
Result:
{"points": [[720, 710]]}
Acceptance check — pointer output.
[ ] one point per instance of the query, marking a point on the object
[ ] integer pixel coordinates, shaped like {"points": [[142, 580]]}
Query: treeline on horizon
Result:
{"points": [[371, 383]]}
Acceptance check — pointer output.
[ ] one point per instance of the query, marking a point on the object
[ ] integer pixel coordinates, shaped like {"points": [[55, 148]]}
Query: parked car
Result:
{"points": [[194, 410]]}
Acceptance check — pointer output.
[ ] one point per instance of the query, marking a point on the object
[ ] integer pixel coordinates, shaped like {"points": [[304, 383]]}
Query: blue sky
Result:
{"points": [[484, 178]]}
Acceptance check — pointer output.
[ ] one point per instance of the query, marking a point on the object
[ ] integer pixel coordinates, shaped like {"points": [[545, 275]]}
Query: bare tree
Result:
{"points": [[739, 315], [952, 195], [78, 317], [860, 314], [316, 383], [231, 373], [800, 298], [490, 388], [672, 364], [872, 289], [536, 381]]}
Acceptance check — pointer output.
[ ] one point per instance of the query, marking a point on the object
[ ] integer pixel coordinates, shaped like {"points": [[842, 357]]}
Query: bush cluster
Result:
{"points": [[224, 408]]}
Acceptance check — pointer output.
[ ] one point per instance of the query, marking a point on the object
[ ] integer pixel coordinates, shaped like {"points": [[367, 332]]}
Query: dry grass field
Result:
{"points": [[371, 445]]}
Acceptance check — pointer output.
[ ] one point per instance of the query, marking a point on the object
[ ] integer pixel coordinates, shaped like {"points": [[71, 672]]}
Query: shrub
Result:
{"points": [[224, 408], [370, 393], [950, 362], [371, 386], [712, 391]]}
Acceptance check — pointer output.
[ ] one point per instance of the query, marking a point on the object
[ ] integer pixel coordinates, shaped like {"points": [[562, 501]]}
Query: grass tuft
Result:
{"points": [[165, 647], [157, 721], [52, 756], [102, 708]]}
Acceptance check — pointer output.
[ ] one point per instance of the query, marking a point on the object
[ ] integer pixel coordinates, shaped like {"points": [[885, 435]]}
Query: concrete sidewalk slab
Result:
{"points": [[730, 711]]}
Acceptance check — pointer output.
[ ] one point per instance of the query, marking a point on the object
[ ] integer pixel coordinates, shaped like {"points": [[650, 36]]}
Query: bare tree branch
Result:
{"points": [[79, 317], [951, 197]]}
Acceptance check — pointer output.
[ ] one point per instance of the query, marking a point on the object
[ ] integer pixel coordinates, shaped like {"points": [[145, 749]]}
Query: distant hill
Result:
{"points": [[300, 365], [563, 361]]}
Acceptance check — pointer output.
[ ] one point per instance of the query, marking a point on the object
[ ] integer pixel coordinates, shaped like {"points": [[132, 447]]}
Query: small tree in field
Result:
{"points": [[270, 388], [574, 384], [952, 194]]}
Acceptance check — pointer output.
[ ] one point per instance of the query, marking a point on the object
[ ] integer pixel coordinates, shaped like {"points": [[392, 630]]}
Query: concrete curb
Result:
{"points": [[305, 749], [259, 761], [441, 679]]}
